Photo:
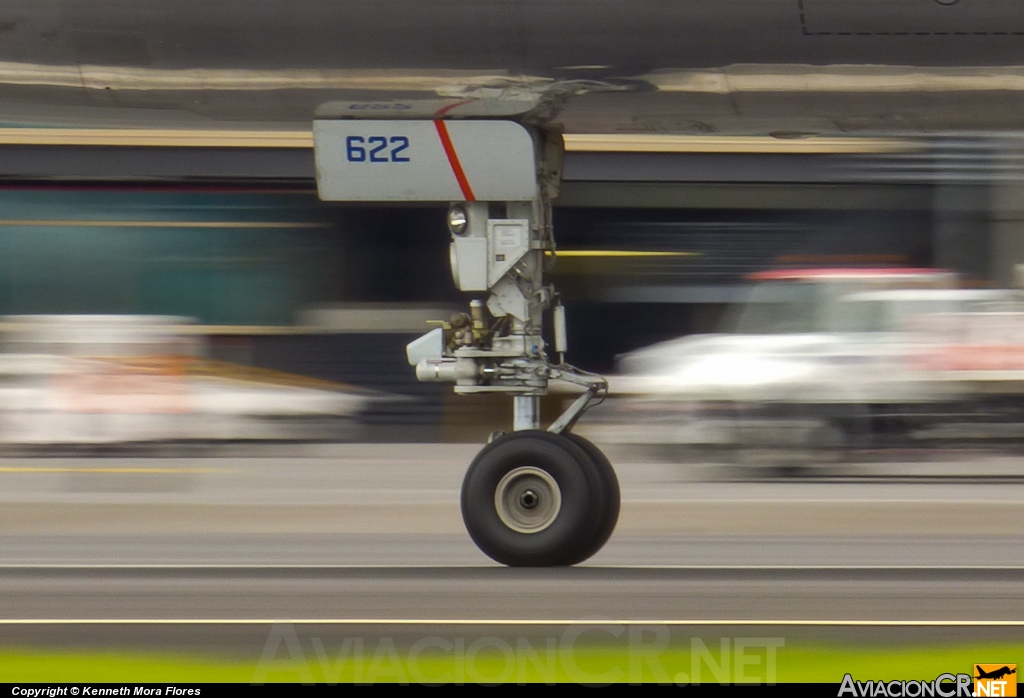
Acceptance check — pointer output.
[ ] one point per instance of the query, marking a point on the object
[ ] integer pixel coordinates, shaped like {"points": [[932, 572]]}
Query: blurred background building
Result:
{"points": [[655, 245]]}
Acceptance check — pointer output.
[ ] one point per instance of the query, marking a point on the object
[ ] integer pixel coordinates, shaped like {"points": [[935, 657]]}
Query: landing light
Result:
{"points": [[457, 219]]}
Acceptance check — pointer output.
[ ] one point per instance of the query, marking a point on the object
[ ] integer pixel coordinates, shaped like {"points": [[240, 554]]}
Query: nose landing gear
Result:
{"points": [[531, 497]]}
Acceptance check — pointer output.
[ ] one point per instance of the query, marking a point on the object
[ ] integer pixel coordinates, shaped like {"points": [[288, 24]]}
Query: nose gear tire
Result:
{"points": [[610, 487], [522, 473]]}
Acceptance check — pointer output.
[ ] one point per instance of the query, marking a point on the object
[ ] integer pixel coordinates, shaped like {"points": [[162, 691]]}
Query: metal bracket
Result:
{"points": [[596, 385]]}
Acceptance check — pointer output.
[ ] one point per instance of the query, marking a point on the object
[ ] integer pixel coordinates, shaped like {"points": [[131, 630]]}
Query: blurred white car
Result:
{"points": [[125, 379], [817, 352]]}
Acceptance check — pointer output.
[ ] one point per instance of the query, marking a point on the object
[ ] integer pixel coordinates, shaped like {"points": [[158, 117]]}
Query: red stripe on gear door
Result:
{"points": [[453, 160]]}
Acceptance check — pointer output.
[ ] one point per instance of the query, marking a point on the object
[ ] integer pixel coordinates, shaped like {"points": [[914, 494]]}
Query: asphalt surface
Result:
{"points": [[330, 537], [398, 504], [375, 531], [498, 594]]}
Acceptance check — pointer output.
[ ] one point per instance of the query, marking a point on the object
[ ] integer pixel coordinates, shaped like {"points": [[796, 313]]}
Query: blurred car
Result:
{"points": [[830, 358], [127, 379]]}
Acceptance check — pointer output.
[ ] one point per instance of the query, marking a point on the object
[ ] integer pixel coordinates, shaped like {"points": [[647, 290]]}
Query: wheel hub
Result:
{"points": [[527, 499]]}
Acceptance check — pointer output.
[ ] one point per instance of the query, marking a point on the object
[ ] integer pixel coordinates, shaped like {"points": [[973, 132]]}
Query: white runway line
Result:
{"points": [[515, 622], [435, 568]]}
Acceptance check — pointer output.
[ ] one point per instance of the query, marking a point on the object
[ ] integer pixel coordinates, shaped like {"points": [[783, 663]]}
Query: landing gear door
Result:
{"points": [[414, 160]]}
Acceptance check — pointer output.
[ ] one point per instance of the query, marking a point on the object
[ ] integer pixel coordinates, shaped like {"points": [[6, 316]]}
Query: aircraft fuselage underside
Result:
{"points": [[701, 66]]}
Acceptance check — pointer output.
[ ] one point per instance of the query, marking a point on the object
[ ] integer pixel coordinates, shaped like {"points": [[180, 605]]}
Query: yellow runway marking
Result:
{"points": [[242, 566], [155, 471], [506, 622]]}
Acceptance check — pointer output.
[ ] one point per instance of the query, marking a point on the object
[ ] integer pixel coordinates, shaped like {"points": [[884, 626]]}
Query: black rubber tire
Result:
{"points": [[569, 539], [610, 489]]}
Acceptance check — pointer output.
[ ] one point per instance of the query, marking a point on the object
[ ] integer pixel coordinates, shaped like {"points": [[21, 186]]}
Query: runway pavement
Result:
{"points": [[398, 504], [352, 534], [415, 594]]}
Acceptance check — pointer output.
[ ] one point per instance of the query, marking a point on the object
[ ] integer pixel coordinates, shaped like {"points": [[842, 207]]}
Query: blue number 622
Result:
{"points": [[375, 149]]}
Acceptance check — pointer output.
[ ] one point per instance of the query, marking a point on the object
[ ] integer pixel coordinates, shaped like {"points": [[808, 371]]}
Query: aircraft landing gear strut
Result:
{"points": [[532, 497]]}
